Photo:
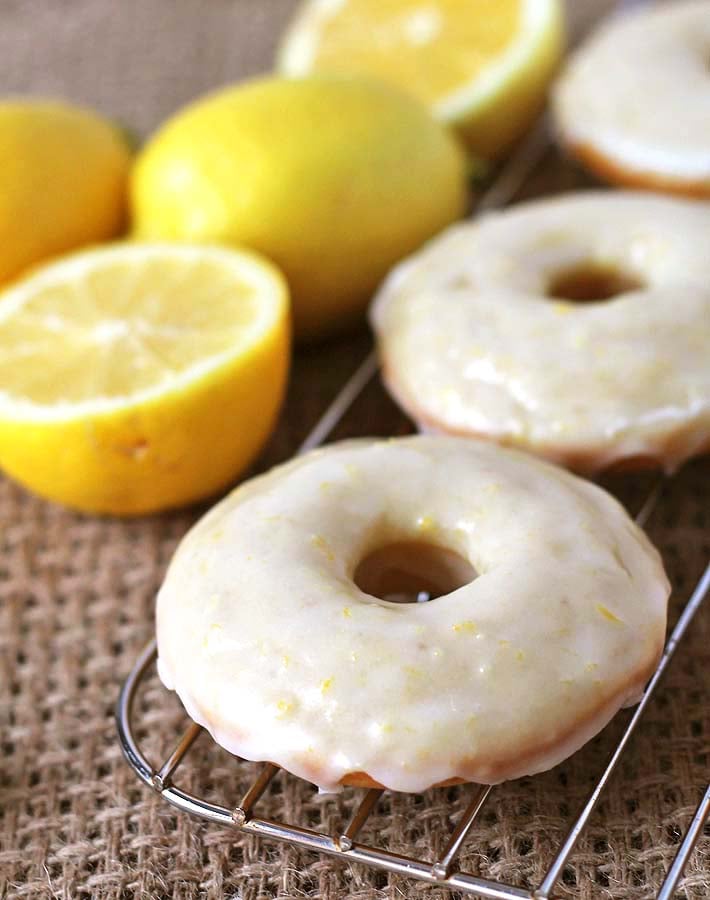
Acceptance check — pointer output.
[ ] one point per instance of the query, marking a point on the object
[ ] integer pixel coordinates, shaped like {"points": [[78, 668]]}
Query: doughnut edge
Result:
{"points": [[611, 171], [585, 461]]}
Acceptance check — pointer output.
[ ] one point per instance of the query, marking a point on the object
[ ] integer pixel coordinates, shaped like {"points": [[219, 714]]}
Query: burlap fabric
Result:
{"points": [[76, 602]]}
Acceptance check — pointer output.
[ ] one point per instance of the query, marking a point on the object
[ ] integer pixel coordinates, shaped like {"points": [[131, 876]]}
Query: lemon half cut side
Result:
{"points": [[482, 66], [135, 378]]}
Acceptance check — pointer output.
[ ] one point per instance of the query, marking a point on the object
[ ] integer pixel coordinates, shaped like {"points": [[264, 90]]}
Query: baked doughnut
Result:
{"points": [[476, 337], [633, 103], [273, 631]]}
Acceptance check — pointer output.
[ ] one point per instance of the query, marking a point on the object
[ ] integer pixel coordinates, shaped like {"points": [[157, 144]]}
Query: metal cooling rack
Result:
{"points": [[344, 845]]}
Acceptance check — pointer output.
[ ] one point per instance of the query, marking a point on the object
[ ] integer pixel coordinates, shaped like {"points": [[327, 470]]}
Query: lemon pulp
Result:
{"points": [[481, 65]]}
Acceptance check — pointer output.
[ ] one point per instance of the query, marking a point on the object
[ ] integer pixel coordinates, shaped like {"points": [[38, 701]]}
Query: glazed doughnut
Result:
{"points": [[476, 337], [277, 623], [633, 103]]}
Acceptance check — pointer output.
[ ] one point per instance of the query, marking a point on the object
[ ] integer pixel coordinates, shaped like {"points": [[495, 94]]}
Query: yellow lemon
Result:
{"points": [[482, 66], [63, 181], [139, 377], [333, 178]]}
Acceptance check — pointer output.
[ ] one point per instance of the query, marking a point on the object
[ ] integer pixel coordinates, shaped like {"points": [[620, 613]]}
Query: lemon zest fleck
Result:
{"points": [[562, 309], [608, 614], [320, 543], [284, 707], [426, 523]]}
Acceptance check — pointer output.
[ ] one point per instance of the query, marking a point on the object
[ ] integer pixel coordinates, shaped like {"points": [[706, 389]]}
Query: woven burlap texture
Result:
{"points": [[77, 594]]}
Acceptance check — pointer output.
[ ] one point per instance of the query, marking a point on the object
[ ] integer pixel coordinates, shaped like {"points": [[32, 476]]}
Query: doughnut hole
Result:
{"points": [[591, 282], [412, 572]]}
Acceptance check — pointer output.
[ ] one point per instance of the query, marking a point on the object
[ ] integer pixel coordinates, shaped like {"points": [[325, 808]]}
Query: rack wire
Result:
{"points": [[441, 871]]}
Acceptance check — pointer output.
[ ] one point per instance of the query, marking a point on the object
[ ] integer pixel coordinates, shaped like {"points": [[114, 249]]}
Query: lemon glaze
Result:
{"points": [[272, 646], [473, 341]]}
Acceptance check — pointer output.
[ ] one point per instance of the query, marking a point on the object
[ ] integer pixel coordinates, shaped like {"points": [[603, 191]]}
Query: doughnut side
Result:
{"points": [[479, 770], [667, 453], [612, 171], [546, 756]]}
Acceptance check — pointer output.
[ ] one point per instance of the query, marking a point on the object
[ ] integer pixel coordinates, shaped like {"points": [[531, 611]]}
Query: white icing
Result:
{"points": [[638, 92], [272, 647], [471, 343]]}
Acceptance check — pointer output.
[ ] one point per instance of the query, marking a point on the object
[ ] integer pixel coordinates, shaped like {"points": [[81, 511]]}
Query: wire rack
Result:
{"points": [[343, 844]]}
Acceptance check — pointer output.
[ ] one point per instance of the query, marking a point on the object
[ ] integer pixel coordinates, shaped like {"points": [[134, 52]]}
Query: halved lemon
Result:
{"points": [[139, 377], [482, 66]]}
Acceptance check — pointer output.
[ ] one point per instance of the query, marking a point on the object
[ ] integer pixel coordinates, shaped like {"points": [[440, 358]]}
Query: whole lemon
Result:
{"points": [[334, 178], [63, 181]]}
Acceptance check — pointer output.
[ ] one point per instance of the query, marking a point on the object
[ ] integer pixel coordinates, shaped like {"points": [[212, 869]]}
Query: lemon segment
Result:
{"points": [[481, 66], [135, 378], [333, 178], [63, 181]]}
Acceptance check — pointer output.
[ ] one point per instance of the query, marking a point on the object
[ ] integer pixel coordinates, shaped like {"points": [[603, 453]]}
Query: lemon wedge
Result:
{"points": [[482, 66], [139, 377]]}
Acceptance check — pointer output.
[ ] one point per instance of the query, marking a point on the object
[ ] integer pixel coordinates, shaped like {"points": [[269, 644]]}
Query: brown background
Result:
{"points": [[76, 601]]}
